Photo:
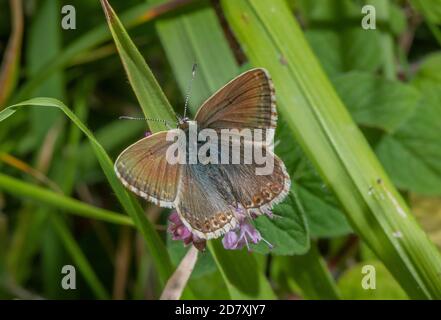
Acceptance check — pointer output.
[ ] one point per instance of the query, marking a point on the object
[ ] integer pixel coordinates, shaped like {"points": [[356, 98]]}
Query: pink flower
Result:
{"points": [[179, 231], [244, 234]]}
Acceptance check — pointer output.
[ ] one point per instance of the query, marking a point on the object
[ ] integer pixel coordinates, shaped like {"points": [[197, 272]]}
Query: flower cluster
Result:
{"points": [[243, 235], [179, 231]]}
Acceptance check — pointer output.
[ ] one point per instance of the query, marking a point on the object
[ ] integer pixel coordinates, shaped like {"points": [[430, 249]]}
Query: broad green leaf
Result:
{"points": [[322, 211], [429, 72], [386, 288], [376, 102], [397, 19], [287, 231], [347, 50], [333, 30], [211, 286], [324, 215], [412, 154]]}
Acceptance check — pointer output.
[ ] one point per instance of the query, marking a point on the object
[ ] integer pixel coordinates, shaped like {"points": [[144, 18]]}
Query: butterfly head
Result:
{"points": [[183, 123]]}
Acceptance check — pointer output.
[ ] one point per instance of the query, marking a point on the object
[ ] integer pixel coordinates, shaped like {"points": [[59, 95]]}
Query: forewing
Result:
{"points": [[248, 101], [143, 168]]}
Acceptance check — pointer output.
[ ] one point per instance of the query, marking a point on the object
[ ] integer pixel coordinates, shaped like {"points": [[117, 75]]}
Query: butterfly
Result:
{"points": [[206, 196]]}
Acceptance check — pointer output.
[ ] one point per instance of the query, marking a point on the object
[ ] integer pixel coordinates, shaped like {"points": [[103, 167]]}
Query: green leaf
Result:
{"points": [[287, 231], [412, 154], [345, 50], [334, 33], [386, 288], [324, 215], [376, 102], [321, 209], [429, 71], [416, 145]]}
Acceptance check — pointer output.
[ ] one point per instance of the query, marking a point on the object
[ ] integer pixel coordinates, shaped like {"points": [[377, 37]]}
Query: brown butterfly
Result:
{"points": [[207, 196]]}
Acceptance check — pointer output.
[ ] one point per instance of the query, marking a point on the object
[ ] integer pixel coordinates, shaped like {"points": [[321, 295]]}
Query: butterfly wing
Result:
{"points": [[144, 169], [257, 193], [248, 101], [205, 201]]}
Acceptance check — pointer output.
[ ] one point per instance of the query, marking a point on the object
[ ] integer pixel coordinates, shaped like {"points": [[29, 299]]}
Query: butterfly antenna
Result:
{"points": [[187, 95], [148, 119]]}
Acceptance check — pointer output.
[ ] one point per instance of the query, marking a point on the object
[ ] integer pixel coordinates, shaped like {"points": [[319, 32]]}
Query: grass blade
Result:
{"points": [[29, 191], [310, 273], [78, 256], [241, 273]]}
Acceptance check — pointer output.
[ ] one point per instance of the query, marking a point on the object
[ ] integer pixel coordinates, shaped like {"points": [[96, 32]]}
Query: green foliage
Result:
{"points": [[386, 288], [350, 102]]}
